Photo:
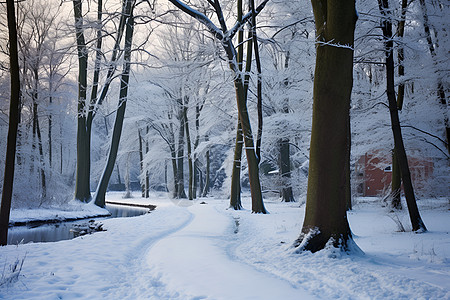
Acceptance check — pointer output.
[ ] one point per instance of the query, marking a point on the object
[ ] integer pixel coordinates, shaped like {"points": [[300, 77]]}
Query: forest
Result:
{"points": [[261, 107]]}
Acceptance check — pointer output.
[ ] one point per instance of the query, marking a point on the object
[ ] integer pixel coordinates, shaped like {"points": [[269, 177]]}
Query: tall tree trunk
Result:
{"points": [[207, 173], [40, 149], [396, 176], [197, 173], [50, 125], [141, 163], [284, 155], [326, 204], [252, 160], [386, 25], [174, 171], [235, 196], [82, 181], [180, 158], [37, 133], [189, 153], [259, 81], [147, 177], [8, 179], [120, 114]]}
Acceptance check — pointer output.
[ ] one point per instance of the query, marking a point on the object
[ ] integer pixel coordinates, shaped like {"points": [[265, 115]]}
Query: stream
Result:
{"points": [[66, 230]]}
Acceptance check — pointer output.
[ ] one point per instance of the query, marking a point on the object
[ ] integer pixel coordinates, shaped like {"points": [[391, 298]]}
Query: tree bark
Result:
{"points": [[82, 181], [396, 176], [235, 196], [37, 130], [396, 182], [326, 204], [8, 179], [386, 25]]}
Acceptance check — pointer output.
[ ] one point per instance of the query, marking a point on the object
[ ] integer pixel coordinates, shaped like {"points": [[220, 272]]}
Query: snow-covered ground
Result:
{"points": [[189, 250]]}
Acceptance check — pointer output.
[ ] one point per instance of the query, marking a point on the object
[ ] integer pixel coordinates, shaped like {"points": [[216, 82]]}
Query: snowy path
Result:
{"points": [[194, 260], [185, 250]]}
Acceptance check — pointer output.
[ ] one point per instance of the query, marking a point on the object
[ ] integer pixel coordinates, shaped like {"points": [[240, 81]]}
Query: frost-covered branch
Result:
{"points": [[337, 45], [200, 17], [230, 33]]}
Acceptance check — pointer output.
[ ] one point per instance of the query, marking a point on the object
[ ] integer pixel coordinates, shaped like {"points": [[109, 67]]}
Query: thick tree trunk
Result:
{"points": [[8, 179], [252, 160], [416, 220], [326, 205], [120, 114]]}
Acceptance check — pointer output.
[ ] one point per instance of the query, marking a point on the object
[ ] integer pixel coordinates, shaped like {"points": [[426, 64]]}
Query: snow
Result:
{"points": [[74, 210], [188, 250]]}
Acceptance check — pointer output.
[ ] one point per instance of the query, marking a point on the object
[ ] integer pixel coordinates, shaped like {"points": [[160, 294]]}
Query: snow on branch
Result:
{"points": [[210, 25], [244, 20], [200, 17], [337, 45]]}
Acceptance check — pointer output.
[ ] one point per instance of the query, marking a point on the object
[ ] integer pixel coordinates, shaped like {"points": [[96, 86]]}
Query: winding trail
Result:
{"points": [[194, 260]]}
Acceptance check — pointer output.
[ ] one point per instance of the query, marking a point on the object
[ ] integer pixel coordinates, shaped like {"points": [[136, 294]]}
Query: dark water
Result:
{"points": [[66, 230]]}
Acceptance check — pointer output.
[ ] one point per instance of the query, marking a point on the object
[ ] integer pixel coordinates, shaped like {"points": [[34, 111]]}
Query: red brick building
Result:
{"points": [[374, 173]]}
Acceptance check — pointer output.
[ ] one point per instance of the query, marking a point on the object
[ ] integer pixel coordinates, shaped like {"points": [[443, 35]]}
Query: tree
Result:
{"points": [[440, 87], [8, 179], [326, 204], [225, 36], [399, 148], [284, 156], [235, 196], [87, 109], [99, 198]]}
